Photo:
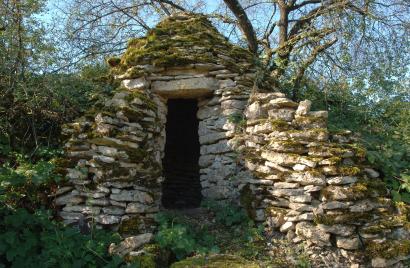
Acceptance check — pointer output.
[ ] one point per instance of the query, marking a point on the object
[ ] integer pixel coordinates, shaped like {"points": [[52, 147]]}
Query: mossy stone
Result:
{"points": [[144, 97], [349, 170], [176, 42], [215, 261], [279, 124], [388, 223], [388, 249], [345, 218], [152, 256], [130, 226]]}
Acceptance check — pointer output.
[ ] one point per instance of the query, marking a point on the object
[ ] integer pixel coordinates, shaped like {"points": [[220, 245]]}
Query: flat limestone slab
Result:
{"points": [[185, 88]]}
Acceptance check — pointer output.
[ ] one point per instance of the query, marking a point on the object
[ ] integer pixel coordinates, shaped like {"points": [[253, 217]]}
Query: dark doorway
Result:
{"points": [[181, 188]]}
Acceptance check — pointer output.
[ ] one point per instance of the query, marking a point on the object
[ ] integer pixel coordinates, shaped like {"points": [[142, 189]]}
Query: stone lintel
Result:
{"points": [[185, 88]]}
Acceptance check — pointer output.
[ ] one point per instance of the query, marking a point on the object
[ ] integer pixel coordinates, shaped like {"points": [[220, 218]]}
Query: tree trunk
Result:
{"points": [[244, 24]]}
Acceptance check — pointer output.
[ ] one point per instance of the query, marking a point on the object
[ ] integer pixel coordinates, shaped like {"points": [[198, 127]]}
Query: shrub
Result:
{"points": [[24, 184], [226, 213], [34, 240], [181, 238], [222, 227]]}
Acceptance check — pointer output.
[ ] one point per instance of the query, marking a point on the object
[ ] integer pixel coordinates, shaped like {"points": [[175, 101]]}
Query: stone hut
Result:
{"points": [[188, 122]]}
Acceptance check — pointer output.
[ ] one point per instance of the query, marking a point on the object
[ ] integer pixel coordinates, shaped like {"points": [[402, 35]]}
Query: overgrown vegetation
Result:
{"points": [[223, 228], [221, 231], [34, 103], [182, 238], [29, 234], [35, 240]]}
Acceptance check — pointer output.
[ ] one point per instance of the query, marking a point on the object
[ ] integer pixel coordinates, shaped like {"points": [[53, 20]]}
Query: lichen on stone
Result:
{"points": [[178, 41], [388, 249], [215, 261], [345, 218]]}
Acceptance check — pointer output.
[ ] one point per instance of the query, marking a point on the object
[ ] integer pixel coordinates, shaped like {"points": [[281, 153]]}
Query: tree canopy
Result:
{"points": [[290, 38]]}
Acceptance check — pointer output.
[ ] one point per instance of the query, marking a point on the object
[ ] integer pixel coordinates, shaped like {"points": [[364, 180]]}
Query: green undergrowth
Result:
{"points": [[35, 240], [220, 228], [238, 120], [220, 234], [28, 180], [215, 261], [29, 234]]}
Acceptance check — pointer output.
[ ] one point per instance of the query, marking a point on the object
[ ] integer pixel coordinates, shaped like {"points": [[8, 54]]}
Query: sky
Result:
{"points": [[259, 15]]}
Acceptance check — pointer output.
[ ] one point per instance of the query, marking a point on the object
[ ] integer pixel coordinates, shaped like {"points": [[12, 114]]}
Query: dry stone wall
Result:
{"points": [[115, 173], [218, 125], [222, 95], [274, 156], [315, 186], [117, 152]]}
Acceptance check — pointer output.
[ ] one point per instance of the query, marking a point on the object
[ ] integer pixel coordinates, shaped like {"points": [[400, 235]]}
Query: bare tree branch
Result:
{"points": [[165, 9], [304, 3], [289, 32], [172, 4], [244, 24], [305, 64]]}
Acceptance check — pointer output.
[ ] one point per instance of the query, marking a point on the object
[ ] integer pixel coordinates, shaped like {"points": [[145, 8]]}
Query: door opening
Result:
{"points": [[182, 187]]}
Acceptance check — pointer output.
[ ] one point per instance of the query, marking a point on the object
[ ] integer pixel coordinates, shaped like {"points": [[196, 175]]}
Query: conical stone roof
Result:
{"points": [[180, 40]]}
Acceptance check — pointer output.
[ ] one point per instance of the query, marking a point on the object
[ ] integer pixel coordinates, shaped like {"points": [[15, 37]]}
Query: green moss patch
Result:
{"points": [[349, 170], [387, 224], [151, 256], [176, 42], [388, 249], [144, 97], [130, 226], [306, 121], [327, 150], [359, 190], [215, 261], [280, 125], [345, 218]]}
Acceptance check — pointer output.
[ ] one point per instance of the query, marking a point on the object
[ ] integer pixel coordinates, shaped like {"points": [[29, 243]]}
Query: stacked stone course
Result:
{"points": [[115, 156], [315, 186]]}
